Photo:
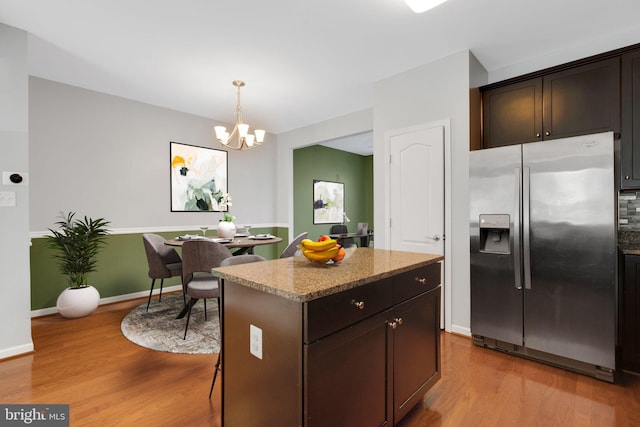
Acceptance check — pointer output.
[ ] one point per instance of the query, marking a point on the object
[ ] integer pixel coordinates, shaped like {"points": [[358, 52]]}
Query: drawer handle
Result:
{"points": [[421, 280], [358, 304]]}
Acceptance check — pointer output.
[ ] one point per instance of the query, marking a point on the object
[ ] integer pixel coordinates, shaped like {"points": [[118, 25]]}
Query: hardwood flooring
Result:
{"points": [[109, 381]]}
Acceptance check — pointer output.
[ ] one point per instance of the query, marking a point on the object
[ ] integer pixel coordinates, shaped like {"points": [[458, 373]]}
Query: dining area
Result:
{"points": [[191, 257]]}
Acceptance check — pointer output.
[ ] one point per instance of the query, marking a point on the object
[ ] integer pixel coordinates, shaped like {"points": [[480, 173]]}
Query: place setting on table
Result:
{"points": [[242, 240]]}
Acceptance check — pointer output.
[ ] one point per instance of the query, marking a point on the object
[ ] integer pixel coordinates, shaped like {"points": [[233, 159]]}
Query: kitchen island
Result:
{"points": [[353, 343]]}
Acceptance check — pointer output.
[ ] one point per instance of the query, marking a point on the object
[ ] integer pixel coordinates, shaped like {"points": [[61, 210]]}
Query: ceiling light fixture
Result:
{"points": [[419, 6], [245, 140]]}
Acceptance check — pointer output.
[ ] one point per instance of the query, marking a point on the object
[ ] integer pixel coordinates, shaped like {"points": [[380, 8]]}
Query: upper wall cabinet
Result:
{"points": [[575, 101], [630, 138], [512, 114]]}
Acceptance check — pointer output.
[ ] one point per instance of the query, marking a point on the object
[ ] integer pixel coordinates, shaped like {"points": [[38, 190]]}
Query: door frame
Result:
{"points": [[446, 125]]}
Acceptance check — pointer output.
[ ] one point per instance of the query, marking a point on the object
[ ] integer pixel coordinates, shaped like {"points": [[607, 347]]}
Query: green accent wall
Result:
{"points": [[121, 268], [319, 162]]}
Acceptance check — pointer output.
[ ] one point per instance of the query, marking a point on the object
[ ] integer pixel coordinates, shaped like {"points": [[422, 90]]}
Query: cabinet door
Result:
{"points": [[582, 100], [347, 379], [416, 350], [630, 138], [630, 322], [512, 114]]}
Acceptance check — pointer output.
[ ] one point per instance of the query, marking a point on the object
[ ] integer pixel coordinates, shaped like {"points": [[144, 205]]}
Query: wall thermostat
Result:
{"points": [[15, 178]]}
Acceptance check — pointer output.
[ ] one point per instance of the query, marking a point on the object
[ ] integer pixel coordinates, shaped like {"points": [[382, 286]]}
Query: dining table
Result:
{"points": [[239, 244]]}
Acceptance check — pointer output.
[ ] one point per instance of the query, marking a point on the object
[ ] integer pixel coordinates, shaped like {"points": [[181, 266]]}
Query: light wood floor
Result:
{"points": [[108, 381]]}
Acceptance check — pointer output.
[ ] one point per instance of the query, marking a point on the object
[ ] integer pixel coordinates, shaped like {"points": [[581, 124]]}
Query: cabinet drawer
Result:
{"points": [[332, 313], [415, 282]]}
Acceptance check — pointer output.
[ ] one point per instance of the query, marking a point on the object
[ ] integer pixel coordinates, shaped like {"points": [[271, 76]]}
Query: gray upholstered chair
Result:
{"points": [[291, 249], [238, 259], [164, 262], [198, 258]]}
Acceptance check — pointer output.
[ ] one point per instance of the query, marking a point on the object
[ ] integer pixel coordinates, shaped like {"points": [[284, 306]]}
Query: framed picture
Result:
{"points": [[198, 178], [328, 202]]}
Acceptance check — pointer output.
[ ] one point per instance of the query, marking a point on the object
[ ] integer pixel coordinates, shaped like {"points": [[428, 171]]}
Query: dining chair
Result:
{"points": [[235, 260], [291, 249], [164, 262], [198, 258], [342, 229]]}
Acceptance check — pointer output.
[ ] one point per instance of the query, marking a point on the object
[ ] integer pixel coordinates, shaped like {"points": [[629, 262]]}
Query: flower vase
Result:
{"points": [[78, 302], [226, 229]]}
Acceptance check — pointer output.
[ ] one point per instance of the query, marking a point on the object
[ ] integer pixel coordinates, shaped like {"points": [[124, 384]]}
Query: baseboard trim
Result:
{"points": [[461, 330], [18, 350], [109, 300]]}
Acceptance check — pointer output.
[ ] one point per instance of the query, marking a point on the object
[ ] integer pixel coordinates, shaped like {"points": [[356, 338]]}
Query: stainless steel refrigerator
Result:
{"points": [[543, 252]]}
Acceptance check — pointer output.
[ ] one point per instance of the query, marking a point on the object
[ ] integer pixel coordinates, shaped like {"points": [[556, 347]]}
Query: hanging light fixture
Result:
{"points": [[245, 140]]}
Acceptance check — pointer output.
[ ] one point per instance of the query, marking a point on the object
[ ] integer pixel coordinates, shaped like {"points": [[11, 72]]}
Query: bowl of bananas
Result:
{"points": [[325, 250]]}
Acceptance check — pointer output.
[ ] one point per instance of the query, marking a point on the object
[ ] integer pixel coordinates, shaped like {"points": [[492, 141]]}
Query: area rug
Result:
{"points": [[158, 329]]}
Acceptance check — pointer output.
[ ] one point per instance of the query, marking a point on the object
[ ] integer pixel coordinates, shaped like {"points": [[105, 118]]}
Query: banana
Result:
{"points": [[318, 246], [321, 256]]}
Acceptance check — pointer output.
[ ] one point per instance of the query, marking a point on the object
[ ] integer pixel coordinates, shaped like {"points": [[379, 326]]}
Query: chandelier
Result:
{"points": [[245, 140]]}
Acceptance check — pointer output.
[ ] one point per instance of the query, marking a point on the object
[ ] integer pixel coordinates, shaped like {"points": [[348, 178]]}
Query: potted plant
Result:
{"points": [[77, 243]]}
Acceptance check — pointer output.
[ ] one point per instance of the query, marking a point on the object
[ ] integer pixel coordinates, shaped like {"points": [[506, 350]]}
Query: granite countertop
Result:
{"points": [[629, 242], [298, 279]]}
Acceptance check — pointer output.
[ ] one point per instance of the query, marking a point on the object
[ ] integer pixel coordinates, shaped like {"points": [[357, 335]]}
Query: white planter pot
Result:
{"points": [[226, 229], [78, 302]]}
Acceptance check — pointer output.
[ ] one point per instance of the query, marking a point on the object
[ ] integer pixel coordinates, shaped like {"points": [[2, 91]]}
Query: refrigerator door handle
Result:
{"points": [[517, 256], [525, 227]]}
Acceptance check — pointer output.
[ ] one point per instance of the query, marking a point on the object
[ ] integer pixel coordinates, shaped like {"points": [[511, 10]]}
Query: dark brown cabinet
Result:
{"points": [[630, 314], [512, 114], [575, 101], [360, 357], [372, 372], [630, 138], [416, 350], [346, 381]]}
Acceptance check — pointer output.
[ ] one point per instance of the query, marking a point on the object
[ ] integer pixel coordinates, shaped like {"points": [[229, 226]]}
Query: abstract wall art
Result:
{"points": [[198, 178], [328, 202]]}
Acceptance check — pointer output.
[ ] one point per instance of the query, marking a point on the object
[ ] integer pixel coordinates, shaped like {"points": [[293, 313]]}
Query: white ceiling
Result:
{"points": [[361, 143], [304, 61]]}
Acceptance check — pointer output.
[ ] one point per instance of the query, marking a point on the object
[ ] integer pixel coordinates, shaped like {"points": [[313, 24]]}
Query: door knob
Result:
{"points": [[435, 237]]}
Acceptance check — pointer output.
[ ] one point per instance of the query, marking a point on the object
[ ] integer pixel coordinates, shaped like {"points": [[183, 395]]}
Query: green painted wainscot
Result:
{"points": [[122, 266]]}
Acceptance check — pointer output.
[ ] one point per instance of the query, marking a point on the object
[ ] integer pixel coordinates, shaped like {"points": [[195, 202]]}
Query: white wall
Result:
{"points": [[15, 291], [107, 156], [430, 93], [349, 124]]}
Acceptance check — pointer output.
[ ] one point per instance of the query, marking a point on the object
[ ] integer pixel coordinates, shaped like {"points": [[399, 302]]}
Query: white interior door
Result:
{"points": [[416, 187]]}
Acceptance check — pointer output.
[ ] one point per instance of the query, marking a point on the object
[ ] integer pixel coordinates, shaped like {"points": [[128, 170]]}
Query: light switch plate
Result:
{"points": [[7, 199], [255, 341], [6, 178]]}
